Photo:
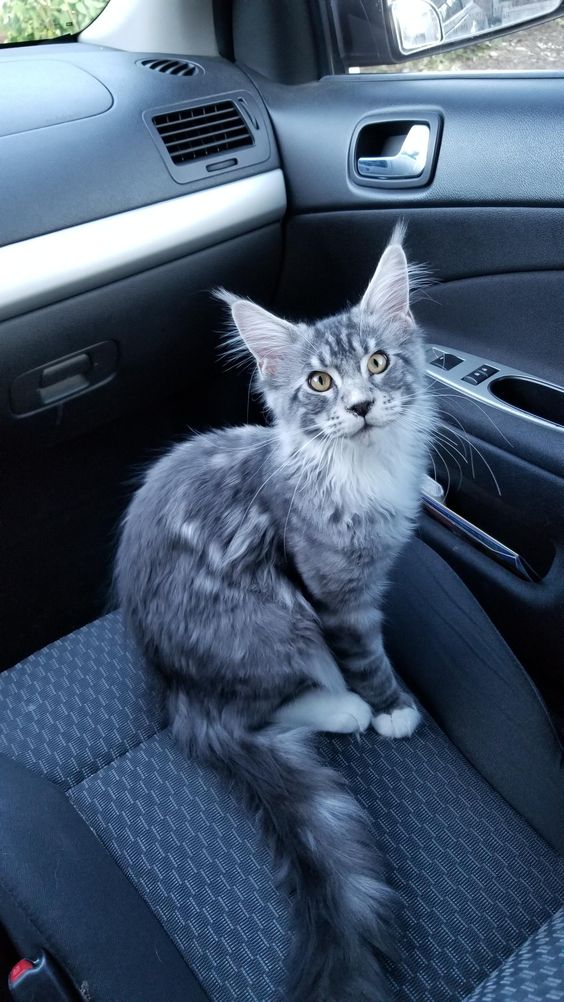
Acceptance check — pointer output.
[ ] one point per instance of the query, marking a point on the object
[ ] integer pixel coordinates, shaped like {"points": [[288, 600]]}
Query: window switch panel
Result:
{"points": [[520, 394], [478, 375]]}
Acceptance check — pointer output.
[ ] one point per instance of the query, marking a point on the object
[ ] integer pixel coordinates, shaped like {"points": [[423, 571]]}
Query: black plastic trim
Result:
{"points": [[495, 136]]}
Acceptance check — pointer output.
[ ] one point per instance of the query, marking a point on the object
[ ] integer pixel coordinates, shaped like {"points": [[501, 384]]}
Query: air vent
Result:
{"points": [[226, 135], [204, 131], [174, 67]]}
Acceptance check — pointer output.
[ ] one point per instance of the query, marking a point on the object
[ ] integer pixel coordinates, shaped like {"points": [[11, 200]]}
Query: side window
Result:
{"points": [[407, 36]]}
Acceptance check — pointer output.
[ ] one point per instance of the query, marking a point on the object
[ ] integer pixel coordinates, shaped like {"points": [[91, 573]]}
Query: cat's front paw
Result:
{"points": [[351, 716], [397, 723]]}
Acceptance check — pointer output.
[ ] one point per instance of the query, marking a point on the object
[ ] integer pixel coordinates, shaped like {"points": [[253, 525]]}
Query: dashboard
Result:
{"points": [[132, 185]]}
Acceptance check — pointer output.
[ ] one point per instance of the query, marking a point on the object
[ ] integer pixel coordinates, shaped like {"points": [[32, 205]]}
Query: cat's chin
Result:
{"points": [[368, 433], [364, 434]]}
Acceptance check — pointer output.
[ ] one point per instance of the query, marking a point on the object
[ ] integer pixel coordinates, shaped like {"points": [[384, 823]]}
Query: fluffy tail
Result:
{"points": [[322, 841]]}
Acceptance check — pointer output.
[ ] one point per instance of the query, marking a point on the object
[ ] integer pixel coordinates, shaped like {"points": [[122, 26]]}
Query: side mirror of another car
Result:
{"points": [[371, 33]]}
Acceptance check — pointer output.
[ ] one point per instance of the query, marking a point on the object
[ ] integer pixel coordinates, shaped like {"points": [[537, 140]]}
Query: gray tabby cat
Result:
{"points": [[252, 566]]}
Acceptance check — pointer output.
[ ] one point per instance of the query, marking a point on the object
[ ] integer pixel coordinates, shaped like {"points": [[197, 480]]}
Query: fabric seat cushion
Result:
{"points": [[534, 973], [453, 658], [61, 892], [476, 880], [78, 704]]}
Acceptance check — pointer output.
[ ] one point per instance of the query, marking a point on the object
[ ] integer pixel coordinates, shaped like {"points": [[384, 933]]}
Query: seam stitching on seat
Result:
{"points": [[514, 954], [85, 774]]}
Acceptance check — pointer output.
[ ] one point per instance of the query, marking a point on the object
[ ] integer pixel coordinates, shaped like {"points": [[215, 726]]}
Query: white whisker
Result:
{"points": [[464, 438], [279, 469], [467, 399], [445, 464], [480, 454], [454, 459], [445, 439]]}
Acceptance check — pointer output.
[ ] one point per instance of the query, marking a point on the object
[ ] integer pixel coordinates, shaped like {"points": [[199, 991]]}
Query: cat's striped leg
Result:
{"points": [[355, 636], [395, 714]]}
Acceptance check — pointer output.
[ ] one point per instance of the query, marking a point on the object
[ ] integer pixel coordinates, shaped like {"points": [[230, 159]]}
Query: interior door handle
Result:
{"points": [[410, 162]]}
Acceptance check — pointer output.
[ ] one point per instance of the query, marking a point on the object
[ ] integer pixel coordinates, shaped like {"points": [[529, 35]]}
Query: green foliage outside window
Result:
{"points": [[33, 20]]}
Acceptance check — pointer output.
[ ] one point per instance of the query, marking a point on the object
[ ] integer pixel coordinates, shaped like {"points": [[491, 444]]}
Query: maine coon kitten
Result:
{"points": [[252, 567]]}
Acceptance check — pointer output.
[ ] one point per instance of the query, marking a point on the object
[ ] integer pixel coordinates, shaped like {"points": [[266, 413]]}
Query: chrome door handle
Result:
{"points": [[408, 163]]}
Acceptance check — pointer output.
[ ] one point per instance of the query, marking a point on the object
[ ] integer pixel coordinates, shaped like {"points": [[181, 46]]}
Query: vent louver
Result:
{"points": [[204, 131], [174, 67]]}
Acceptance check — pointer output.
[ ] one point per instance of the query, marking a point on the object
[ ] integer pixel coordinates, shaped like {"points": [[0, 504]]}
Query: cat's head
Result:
{"points": [[348, 376]]}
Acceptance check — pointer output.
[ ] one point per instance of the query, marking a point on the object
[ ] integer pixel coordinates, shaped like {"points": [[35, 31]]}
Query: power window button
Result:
{"points": [[444, 360], [478, 375]]}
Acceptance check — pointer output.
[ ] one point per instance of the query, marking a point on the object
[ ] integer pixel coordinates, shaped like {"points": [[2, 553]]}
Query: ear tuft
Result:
{"points": [[388, 291], [224, 296], [267, 337]]}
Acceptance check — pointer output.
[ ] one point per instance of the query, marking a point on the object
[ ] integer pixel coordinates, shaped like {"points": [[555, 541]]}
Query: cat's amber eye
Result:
{"points": [[320, 381], [377, 362]]}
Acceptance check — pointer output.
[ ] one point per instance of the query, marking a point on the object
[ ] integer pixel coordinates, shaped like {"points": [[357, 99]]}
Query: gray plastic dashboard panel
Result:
{"points": [[57, 265], [59, 173], [38, 93]]}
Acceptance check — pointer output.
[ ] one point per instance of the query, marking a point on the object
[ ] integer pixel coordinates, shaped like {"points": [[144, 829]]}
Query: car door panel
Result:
{"points": [[493, 133], [108, 328], [488, 227]]}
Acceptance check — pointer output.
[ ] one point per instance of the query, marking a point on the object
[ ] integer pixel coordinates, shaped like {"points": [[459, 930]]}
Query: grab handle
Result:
{"points": [[499, 552]]}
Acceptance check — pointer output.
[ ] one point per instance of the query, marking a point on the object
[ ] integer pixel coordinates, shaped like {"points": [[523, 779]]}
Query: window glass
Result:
{"points": [[367, 34], [539, 48], [40, 20]]}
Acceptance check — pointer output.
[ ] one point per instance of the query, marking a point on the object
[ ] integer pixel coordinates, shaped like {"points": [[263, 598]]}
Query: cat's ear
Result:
{"points": [[268, 337], [388, 292]]}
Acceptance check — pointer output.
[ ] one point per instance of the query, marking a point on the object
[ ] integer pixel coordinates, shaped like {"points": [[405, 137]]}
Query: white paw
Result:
{"points": [[351, 715], [400, 723]]}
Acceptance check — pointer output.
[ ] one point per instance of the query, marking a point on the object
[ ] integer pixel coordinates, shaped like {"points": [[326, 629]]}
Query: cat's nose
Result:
{"points": [[361, 408]]}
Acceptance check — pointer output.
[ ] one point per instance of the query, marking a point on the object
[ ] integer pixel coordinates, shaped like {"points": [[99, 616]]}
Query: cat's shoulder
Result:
{"points": [[230, 447], [218, 450], [244, 435]]}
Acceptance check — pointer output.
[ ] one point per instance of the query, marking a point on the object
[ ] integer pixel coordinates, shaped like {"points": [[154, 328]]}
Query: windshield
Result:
{"points": [[40, 20]]}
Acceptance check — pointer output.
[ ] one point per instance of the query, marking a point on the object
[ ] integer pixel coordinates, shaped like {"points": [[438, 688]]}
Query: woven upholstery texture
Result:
{"points": [[78, 704], [475, 880], [198, 860], [535, 973]]}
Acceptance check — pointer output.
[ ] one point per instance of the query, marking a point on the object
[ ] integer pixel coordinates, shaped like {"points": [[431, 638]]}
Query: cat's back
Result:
{"points": [[204, 479]]}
